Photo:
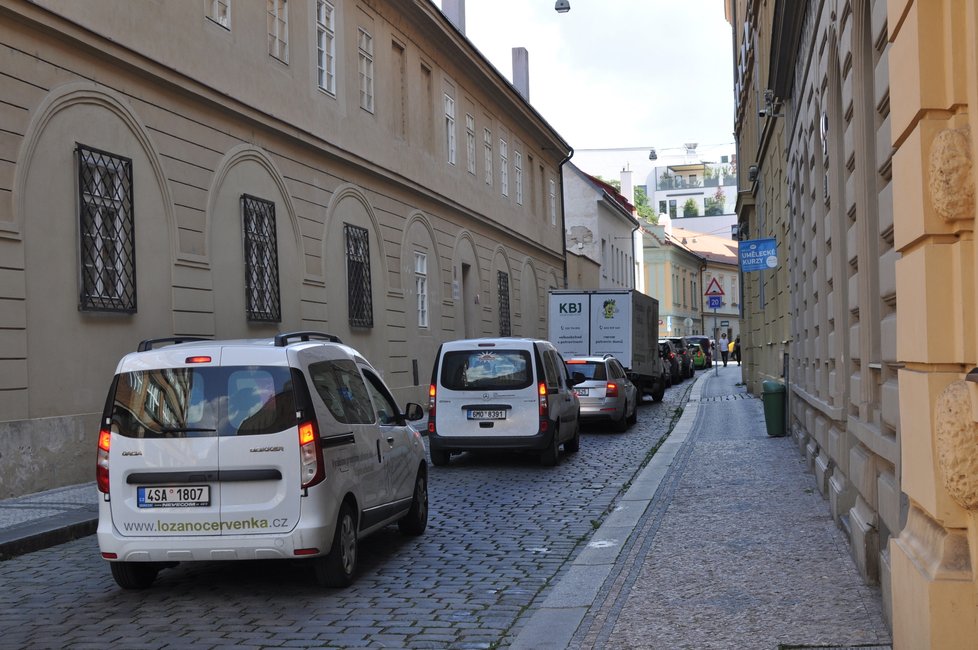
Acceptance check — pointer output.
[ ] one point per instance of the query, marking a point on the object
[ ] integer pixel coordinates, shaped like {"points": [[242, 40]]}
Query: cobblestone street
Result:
{"points": [[501, 529]]}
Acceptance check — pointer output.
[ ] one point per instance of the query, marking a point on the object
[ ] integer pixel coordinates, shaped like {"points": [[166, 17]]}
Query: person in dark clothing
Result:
{"points": [[736, 350]]}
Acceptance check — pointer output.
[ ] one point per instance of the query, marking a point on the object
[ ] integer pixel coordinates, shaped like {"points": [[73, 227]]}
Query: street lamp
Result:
{"points": [[562, 6]]}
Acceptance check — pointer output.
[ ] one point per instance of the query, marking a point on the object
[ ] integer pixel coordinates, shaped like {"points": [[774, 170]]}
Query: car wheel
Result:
{"points": [[633, 418], [550, 455], [134, 575], [338, 567], [440, 457], [416, 520], [574, 444], [657, 395], [621, 424]]}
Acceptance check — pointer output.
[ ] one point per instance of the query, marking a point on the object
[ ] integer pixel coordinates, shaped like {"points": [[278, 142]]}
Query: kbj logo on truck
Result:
{"points": [[571, 308]]}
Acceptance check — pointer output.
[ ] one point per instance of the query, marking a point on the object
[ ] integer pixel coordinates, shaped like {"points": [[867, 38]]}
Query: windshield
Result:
{"points": [[486, 370], [211, 401]]}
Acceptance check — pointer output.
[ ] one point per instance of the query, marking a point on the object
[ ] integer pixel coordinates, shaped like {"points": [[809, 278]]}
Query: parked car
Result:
{"points": [[682, 351], [668, 353], [283, 448], [706, 344], [606, 392], [502, 393]]}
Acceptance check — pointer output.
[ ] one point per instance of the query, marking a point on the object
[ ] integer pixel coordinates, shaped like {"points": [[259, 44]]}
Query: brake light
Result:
{"points": [[198, 360], [544, 415], [102, 461], [311, 468], [611, 390], [575, 362], [432, 393]]}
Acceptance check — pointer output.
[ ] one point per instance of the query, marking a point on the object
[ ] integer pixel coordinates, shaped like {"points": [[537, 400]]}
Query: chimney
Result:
{"points": [[454, 10], [627, 189], [521, 71]]}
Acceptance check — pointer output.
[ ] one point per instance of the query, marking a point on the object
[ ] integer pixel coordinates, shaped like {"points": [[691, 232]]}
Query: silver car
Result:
{"points": [[606, 392]]}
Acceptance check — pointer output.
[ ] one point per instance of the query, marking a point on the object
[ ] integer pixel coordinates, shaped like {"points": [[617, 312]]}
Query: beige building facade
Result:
{"points": [[862, 170], [229, 170]]}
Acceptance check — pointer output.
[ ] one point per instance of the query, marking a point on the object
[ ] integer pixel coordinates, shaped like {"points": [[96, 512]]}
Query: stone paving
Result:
{"points": [[502, 533]]}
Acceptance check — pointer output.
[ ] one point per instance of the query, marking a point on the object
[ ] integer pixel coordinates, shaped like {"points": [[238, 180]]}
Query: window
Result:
{"points": [[261, 260], [365, 52], [672, 208], [484, 370], [108, 249], [326, 46], [399, 91], [503, 167], [503, 288], [553, 202], [662, 207], [487, 147], [519, 178], [339, 384], [278, 29], [470, 143], [220, 12], [384, 405], [360, 297], [604, 258], [450, 128], [421, 287]]}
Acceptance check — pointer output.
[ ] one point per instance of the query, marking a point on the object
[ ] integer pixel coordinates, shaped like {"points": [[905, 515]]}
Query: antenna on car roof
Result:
{"points": [[281, 340], [149, 344]]}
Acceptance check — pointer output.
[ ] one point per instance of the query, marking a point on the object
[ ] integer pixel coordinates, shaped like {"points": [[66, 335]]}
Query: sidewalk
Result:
{"points": [[722, 541], [44, 519]]}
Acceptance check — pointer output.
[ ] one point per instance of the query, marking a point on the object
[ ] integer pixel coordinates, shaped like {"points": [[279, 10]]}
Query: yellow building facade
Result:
{"points": [[854, 136]]}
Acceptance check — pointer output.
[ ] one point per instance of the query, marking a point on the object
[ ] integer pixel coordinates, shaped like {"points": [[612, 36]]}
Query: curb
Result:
{"points": [[45, 533]]}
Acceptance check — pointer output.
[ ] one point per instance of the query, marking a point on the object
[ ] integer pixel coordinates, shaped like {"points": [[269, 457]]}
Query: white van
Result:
{"points": [[283, 448], [501, 393]]}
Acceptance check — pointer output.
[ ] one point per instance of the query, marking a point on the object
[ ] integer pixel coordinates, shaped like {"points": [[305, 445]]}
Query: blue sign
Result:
{"points": [[758, 255], [714, 302]]}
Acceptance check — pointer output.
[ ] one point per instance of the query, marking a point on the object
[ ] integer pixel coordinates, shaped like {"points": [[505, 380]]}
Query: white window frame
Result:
{"points": [[220, 13], [470, 143], [519, 177], [503, 167], [421, 286], [278, 29], [326, 46], [365, 58], [450, 128], [487, 149], [553, 202]]}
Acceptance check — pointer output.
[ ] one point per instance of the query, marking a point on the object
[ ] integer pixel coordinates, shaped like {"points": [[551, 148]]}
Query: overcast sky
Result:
{"points": [[617, 73]]}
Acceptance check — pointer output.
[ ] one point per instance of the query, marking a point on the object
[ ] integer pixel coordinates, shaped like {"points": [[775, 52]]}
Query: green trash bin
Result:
{"points": [[773, 395]]}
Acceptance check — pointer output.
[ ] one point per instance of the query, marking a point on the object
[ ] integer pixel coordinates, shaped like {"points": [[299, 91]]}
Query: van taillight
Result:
{"points": [[432, 394], [542, 392], [611, 390], [310, 454], [102, 461]]}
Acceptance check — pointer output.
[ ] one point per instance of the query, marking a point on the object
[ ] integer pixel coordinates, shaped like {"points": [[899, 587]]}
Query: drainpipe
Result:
{"points": [[563, 217]]}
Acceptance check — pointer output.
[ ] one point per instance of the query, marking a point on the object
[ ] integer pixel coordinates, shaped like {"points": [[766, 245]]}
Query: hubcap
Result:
{"points": [[421, 494], [348, 544]]}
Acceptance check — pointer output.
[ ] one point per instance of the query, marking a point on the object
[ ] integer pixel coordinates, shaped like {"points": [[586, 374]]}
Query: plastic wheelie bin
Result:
{"points": [[773, 396]]}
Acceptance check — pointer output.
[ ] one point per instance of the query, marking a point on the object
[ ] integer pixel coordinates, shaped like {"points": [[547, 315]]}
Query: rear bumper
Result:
{"points": [[537, 442]]}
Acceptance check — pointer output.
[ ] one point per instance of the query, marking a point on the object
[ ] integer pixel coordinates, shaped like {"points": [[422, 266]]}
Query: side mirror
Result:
{"points": [[413, 412]]}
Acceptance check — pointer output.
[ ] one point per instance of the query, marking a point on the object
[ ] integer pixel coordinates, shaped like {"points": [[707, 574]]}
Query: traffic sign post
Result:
{"points": [[714, 299]]}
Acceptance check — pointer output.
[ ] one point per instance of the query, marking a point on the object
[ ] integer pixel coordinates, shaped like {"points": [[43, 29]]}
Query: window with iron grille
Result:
{"points": [[360, 298], [108, 244], [261, 260], [503, 279]]}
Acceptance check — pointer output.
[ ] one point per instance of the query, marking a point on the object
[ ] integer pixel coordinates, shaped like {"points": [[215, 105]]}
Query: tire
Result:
{"points": [[338, 567], [440, 457], [415, 521], [657, 395], [633, 418], [550, 456], [621, 424], [134, 575], [574, 444]]}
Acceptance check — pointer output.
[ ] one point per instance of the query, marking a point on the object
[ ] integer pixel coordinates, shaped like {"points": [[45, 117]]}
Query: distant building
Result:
{"points": [[722, 264]]}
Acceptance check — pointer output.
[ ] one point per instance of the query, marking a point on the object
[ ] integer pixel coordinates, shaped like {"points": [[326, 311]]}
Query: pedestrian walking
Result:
{"points": [[724, 351], [736, 349]]}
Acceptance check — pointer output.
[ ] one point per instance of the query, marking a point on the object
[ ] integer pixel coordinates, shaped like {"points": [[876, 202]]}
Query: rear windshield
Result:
{"points": [[211, 401], [486, 370], [590, 370]]}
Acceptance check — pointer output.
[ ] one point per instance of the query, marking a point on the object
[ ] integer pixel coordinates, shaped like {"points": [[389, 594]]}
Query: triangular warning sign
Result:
{"points": [[714, 289]]}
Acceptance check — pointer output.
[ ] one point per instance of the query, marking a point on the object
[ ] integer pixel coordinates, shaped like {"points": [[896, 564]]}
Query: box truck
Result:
{"points": [[624, 323]]}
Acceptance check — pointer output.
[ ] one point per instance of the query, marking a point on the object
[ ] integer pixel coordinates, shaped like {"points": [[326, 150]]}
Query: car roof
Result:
{"points": [[500, 341]]}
